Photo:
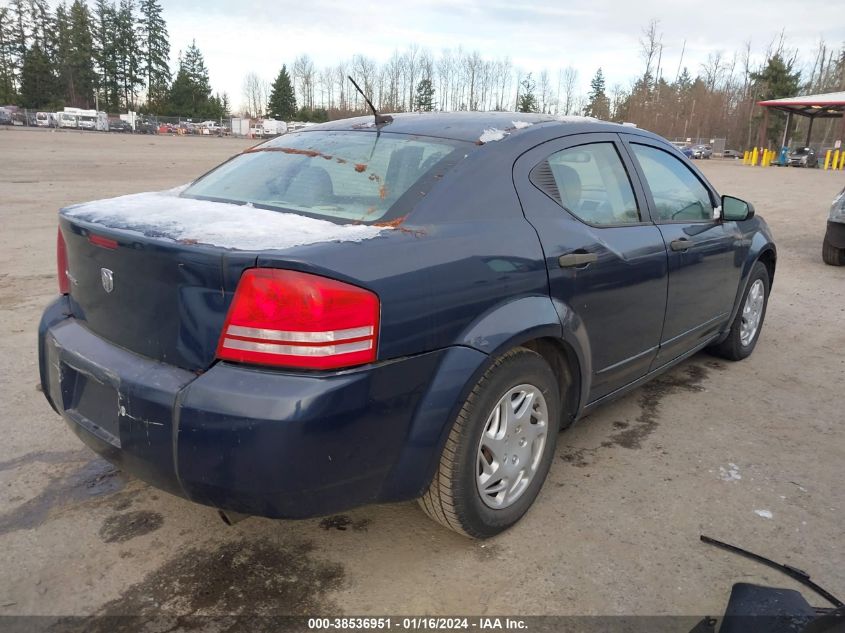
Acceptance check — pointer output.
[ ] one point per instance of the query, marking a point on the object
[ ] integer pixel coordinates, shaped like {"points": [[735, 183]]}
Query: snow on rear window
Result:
{"points": [[165, 215], [356, 176]]}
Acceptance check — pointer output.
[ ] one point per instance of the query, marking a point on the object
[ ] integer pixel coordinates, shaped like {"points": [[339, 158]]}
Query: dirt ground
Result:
{"points": [[752, 453]]}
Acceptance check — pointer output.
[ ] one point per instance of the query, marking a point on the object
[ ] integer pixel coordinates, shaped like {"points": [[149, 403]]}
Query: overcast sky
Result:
{"points": [[260, 35]]}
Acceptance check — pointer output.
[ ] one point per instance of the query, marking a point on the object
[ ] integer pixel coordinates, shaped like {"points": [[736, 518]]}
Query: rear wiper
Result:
{"points": [[799, 575]]}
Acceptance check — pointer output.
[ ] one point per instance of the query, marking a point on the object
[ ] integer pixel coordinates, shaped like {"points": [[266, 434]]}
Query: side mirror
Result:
{"points": [[736, 210]]}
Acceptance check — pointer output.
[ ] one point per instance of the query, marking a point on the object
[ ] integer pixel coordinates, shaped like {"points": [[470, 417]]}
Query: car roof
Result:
{"points": [[470, 126]]}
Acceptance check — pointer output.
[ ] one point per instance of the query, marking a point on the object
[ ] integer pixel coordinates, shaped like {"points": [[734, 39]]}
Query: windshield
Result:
{"points": [[802, 150], [355, 176]]}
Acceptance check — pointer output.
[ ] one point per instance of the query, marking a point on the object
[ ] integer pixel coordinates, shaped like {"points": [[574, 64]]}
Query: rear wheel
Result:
{"points": [[500, 448], [745, 330], [832, 255]]}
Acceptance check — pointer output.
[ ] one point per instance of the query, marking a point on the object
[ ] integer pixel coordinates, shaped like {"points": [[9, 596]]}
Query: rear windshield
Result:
{"points": [[340, 176]]}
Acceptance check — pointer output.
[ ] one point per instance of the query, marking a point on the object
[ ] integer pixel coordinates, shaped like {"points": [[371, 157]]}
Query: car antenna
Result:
{"points": [[380, 118]]}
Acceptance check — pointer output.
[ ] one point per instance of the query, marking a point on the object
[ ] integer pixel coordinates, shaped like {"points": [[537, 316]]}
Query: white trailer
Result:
{"points": [[271, 127], [45, 119], [93, 120], [68, 118]]}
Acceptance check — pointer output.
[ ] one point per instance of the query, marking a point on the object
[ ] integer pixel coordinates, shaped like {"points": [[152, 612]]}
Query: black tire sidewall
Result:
{"points": [[524, 367], [758, 272]]}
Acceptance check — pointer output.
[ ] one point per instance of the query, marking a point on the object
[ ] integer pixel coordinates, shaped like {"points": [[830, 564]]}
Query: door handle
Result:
{"points": [[682, 244], [574, 260]]}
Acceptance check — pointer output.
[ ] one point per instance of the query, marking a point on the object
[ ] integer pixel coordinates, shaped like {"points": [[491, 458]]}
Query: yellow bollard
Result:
{"points": [[827, 159], [765, 161], [754, 158], [842, 160], [744, 158], [835, 161]]}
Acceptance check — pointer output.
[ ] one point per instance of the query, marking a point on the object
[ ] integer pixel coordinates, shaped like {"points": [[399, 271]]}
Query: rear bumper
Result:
{"points": [[251, 440], [835, 234]]}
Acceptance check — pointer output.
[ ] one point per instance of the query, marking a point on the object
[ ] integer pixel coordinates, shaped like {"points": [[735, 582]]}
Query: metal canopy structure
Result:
{"points": [[823, 106], [827, 105]]}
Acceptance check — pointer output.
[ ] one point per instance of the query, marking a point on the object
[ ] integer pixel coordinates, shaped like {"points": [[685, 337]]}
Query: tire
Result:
{"points": [[831, 255], [733, 347], [454, 497]]}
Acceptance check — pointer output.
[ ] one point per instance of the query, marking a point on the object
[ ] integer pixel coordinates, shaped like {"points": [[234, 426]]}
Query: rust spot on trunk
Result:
{"points": [[394, 223], [382, 191], [360, 167]]}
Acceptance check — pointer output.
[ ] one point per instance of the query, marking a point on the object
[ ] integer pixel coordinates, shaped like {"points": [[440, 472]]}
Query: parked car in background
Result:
{"points": [[365, 312], [702, 151], [146, 125], [45, 119], [5, 117], [833, 246], [731, 153], [67, 120], [684, 148], [119, 125], [803, 157]]}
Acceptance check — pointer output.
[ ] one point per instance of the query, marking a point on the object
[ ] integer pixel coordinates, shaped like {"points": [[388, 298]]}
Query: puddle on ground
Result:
{"points": [[96, 478], [342, 522], [120, 528], [631, 434], [256, 577]]}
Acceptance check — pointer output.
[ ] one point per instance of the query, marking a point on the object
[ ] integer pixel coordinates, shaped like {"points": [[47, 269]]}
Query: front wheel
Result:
{"points": [[500, 448], [746, 327]]}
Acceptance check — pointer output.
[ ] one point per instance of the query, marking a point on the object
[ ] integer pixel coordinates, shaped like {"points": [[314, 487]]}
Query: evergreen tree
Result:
{"points": [[8, 89], [65, 83], [41, 26], [598, 105], [18, 38], [527, 101], [105, 55], [424, 101], [190, 94], [128, 54], [81, 58], [776, 80], [155, 50], [37, 81], [282, 104], [226, 105]]}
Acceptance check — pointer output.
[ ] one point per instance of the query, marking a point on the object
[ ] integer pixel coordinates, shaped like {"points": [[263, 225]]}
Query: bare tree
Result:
{"points": [[255, 95], [570, 78]]}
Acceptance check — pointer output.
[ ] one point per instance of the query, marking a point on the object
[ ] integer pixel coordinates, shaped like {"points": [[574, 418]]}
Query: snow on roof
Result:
{"points": [[492, 134], [164, 214]]}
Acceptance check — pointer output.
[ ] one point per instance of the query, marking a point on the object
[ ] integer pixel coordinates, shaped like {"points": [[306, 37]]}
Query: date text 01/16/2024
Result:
{"points": [[421, 623]]}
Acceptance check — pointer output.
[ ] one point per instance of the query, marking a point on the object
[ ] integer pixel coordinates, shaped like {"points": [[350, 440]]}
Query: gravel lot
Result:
{"points": [[705, 449]]}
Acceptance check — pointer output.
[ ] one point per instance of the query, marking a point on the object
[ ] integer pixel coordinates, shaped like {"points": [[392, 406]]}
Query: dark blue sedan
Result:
{"points": [[362, 312]]}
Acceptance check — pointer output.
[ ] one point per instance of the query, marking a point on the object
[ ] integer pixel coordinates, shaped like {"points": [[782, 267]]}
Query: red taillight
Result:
{"points": [[61, 264], [292, 319]]}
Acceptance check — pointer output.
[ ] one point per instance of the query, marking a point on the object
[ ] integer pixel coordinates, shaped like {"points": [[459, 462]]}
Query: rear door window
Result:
{"points": [[353, 176], [590, 181]]}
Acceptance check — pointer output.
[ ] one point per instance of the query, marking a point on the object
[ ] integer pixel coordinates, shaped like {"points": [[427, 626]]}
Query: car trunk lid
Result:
{"points": [[155, 273]]}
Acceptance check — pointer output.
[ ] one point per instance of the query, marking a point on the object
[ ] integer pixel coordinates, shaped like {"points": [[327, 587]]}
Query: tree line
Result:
{"points": [[114, 55], [718, 99]]}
